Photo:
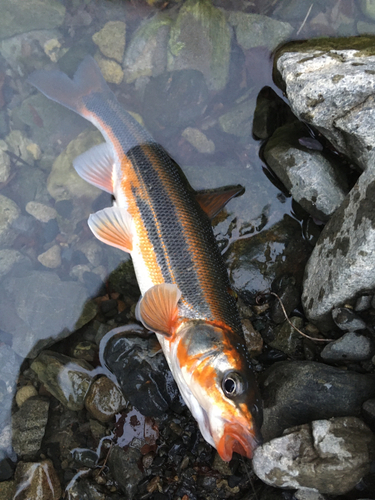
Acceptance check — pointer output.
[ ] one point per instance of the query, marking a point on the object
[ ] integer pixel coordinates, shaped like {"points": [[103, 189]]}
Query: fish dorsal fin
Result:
{"points": [[214, 200], [158, 310], [113, 225], [96, 166]]}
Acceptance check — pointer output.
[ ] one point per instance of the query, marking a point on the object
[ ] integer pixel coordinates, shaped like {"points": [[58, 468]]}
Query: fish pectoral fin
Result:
{"points": [[214, 200], [96, 166], [158, 310], [113, 225]]}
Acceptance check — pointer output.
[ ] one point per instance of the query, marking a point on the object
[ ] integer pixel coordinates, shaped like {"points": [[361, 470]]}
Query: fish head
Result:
{"points": [[218, 385]]}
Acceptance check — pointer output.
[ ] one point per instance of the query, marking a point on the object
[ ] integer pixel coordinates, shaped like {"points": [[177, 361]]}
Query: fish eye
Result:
{"points": [[232, 384]]}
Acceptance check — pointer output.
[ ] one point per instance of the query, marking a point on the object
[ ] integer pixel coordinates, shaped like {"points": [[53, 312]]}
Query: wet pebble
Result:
{"points": [[123, 464], [308, 494], [363, 303], [85, 350], [368, 410], [37, 480], [104, 399], [328, 455], [300, 391], [7, 489], [9, 212], [287, 339], [347, 320], [199, 140], [40, 211], [352, 346], [68, 379], [24, 393], [28, 426], [289, 294], [111, 40], [253, 338], [51, 258]]}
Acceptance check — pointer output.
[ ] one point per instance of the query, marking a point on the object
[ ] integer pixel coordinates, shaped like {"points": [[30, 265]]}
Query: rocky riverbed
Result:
{"points": [[89, 409]]}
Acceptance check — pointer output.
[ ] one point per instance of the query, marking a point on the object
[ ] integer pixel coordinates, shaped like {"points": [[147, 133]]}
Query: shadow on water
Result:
{"points": [[200, 80]]}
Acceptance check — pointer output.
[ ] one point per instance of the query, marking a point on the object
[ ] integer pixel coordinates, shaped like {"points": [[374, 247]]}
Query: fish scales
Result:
{"points": [[175, 224]]}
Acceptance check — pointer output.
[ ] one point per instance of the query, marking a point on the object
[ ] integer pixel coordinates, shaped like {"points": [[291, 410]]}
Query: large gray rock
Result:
{"points": [[297, 392], [146, 54], [38, 308], [312, 179], [18, 16], [341, 266], [350, 347], [330, 85], [328, 455], [200, 39], [255, 30]]}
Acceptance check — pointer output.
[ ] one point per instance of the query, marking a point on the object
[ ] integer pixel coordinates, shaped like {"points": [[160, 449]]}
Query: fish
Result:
{"points": [[165, 225]]}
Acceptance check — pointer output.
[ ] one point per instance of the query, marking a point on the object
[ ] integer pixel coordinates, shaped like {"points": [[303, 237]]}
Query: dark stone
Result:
{"points": [[124, 466], [298, 392], [145, 381], [51, 230], [64, 208], [289, 295], [85, 458], [270, 113], [6, 469], [347, 320]]}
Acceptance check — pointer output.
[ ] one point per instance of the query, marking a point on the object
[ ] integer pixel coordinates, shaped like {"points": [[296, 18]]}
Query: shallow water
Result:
{"points": [[50, 264]]}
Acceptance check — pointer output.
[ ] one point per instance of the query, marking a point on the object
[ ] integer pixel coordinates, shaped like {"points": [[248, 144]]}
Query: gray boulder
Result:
{"points": [[328, 455], [38, 309], [313, 180], [297, 392], [330, 85], [340, 268]]}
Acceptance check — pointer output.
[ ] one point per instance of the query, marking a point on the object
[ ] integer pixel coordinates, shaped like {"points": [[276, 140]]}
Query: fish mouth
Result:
{"points": [[235, 439]]}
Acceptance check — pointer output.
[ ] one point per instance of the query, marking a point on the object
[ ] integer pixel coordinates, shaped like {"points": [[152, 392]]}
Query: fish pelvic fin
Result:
{"points": [[113, 226], [158, 310], [57, 86]]}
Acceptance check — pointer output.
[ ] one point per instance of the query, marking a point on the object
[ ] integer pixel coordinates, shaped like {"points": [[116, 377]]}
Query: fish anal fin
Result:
{"points": [[113, 226], [158, 309], [96, 166], [214, 200]]}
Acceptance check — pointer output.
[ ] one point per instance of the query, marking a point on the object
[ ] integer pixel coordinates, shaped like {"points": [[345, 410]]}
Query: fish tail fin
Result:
{"points": [[57, 86]]}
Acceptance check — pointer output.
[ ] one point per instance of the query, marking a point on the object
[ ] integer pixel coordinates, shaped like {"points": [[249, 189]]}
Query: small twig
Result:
{"points": [[291, 324], [106, 458], [304, 21], [17, 158]]}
